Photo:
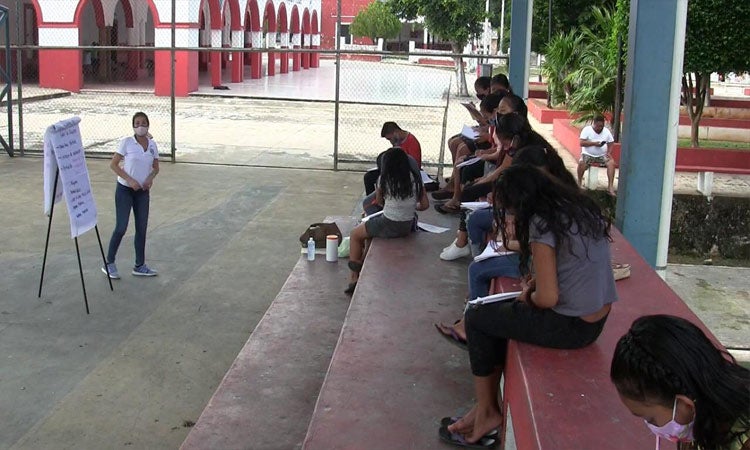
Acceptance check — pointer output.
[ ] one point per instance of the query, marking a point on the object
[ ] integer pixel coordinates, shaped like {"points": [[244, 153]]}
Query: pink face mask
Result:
{"points": [[672, 431]]}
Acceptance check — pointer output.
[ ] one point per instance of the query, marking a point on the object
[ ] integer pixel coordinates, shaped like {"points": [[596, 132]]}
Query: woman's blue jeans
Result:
{"points": [[478, 226], [126, 199], [482, 272]]}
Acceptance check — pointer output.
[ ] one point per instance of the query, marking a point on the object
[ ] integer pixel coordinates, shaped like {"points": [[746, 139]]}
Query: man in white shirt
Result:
{"points": [[595, 142]]}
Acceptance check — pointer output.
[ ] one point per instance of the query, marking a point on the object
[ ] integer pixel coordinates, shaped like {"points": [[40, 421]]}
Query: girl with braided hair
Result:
{"points": [[686, 389]]}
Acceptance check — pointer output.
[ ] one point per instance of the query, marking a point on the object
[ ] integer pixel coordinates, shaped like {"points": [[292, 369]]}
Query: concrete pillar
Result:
{"points": [[315, 57], [305, 56], [520, 47], [215, 58], [284, 56], [656, 44], [60, 69], [186, 62], [238, 41], [256, 61], [271, 44], [296, 57]]}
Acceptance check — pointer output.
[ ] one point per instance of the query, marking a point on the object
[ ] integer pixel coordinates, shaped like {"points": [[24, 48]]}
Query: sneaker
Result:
{"points": [[620, 271], [144, 271], [111, 268], [445, 249], [455, 252]]}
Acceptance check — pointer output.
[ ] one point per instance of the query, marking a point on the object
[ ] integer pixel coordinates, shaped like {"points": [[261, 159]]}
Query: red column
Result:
{"points": [[315, 58], [271, 64], [284, 61], [256, 62], [306, 60], [296, 59], [215, 68], [186, 73], [61, 69], [237, 67], [134, 62]]}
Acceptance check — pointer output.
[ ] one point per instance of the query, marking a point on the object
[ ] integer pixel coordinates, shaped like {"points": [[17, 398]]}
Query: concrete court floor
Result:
{"points": [[152, 352]]}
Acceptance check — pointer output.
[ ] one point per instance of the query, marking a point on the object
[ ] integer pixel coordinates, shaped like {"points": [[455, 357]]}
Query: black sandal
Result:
{"points": [[445, 209], [350, 289]]}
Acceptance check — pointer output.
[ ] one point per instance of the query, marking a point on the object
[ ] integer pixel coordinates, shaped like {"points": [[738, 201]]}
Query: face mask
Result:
{"points": [[395, 141], [673, 431], [140, 131], [481, 96]]}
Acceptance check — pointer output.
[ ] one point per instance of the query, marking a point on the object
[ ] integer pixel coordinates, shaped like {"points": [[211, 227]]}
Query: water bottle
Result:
{"points": [[310, 249]]}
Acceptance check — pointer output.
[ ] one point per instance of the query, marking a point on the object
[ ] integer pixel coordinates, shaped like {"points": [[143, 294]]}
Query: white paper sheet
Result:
{"points": [[431, 228], [473, 206]]}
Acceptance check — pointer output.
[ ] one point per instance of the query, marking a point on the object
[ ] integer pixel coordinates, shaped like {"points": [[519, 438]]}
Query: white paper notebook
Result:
{"points": [[502, 297]]}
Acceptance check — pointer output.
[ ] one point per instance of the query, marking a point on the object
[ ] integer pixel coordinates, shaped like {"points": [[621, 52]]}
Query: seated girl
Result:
{"points": [[684, 387], [401, 193], [480, 228], [565, 302]]}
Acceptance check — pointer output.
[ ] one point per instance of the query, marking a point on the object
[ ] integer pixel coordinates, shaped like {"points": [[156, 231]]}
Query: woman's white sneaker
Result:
{"points": [[455, 252]]}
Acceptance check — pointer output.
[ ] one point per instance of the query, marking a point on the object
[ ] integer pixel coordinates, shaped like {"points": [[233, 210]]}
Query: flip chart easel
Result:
{"points": [[64, 156]]}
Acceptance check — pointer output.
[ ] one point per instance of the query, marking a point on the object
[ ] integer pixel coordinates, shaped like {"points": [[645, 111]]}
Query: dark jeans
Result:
{"points": [[488, 328], [482, 272], [125, 200], [474, 191], [370, 179], [478, 226]]}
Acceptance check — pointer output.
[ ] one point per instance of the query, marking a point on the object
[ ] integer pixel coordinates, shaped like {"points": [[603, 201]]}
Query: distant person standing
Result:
{"points": [[140, 158], [595, 143]]}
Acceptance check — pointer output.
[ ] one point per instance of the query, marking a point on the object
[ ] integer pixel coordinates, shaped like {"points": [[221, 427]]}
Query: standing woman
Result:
{"points": [[135, 176]]}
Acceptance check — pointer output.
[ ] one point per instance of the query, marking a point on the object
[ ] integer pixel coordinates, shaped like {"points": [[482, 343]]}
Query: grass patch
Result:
{"points": [[708, 143]]}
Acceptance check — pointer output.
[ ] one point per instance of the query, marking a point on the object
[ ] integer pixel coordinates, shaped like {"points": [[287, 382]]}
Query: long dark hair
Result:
{"points": [[517, 104], [545, 158], [396, 177], [491, 101], [529, 195], [662, 356]]}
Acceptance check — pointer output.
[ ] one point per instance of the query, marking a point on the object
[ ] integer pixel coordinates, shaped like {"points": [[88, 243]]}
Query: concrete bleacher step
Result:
{"points": [[267, 396], [392, 377]]}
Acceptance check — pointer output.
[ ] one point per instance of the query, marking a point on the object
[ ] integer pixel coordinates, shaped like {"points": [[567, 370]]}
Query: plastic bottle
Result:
{"points": [[310, 249]]}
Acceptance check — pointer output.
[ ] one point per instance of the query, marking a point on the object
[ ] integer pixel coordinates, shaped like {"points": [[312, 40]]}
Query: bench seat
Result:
{"points": [[563, 399], [268, 394], [392, 377]]}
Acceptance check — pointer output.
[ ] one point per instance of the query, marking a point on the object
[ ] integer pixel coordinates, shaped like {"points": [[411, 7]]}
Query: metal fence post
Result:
{"points": [[173, 133], [19, 76], [338, 83], [441, 157]]}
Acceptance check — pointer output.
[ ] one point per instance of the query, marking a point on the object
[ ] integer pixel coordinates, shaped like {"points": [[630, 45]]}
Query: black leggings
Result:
{"points": [[488, 328]]}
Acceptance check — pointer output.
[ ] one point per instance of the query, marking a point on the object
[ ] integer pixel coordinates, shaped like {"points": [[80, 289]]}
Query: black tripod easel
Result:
{"points": [[78, 253]]}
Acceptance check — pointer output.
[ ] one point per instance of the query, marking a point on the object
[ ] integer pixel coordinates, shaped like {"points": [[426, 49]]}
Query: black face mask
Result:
{"points": [[481, 96]]}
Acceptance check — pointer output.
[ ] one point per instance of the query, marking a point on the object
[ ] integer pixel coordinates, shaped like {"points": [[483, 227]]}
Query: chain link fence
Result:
{"points": [[325, 117]]}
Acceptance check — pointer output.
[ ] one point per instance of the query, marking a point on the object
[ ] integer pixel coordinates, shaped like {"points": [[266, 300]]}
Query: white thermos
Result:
{"points": [[332, 248]]}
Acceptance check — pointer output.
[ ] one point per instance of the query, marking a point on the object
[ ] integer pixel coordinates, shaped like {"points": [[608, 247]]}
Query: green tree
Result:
{"points": [[594, 79], [455, 21], [716, 40], [376, 21], [566, 15]]}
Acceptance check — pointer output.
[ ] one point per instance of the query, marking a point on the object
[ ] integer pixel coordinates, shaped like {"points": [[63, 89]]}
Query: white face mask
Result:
{"points": [[673, 431], [140, 131]]}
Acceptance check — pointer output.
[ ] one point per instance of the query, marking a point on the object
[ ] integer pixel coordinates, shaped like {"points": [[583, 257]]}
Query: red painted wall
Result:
{"points": [[349, 9], [186, 69], [61, 69]]}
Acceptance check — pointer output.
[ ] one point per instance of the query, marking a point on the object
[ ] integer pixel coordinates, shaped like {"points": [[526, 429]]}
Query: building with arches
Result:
{"points": [[271, 25]]}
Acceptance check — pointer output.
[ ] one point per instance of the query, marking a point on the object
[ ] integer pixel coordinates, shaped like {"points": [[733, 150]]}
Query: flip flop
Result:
{"points": [[350, 290], [446, 421], [452, 336], [460, 441], [442, 194], [445, 209]]}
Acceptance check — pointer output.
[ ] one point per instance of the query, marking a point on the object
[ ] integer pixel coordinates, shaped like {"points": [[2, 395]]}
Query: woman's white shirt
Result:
{"points": [[137, 162]]}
